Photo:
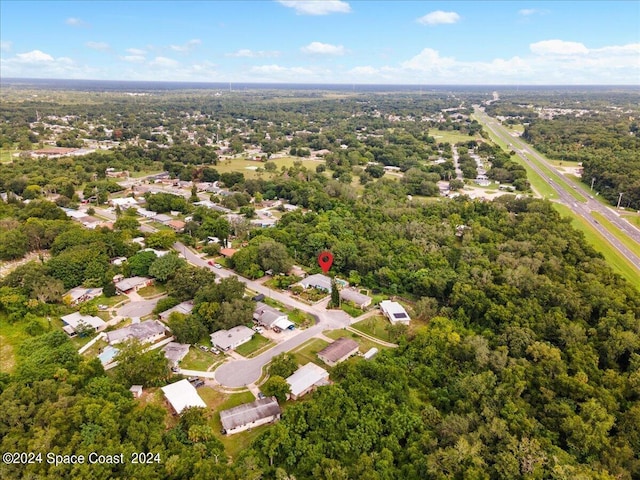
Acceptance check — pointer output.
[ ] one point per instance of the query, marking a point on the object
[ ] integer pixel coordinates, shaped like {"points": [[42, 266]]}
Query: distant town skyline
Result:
{"points": [[332, 41]]}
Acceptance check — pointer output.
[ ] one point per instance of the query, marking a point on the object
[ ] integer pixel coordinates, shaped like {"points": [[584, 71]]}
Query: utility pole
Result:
{"points": [[619, 199], [592, 181]]}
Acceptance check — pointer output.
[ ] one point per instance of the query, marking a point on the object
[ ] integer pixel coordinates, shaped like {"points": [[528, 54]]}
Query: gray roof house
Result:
{"points": [[175, 352], [266, 315], [184, 308], [232, 338], [146, 332], [319, 281], [338, 351], [359, 300], [127, 285], [249, 415]]}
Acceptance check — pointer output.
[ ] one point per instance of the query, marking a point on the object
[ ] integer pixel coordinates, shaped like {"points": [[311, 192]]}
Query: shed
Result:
{"points": [[136, 390]]}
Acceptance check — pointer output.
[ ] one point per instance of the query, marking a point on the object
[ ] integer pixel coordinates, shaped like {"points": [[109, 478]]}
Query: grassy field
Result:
{"points": [[198, 359], [374, 326], [6, 156], [249, 167], [12, 336], [309, 350], [619, 264], [152, 290], [253, 346], [365, 343], [444, 136]]}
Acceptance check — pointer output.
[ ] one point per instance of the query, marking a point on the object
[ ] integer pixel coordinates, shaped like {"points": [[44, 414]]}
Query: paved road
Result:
{"points": [[137, 309], [238, 373], [523, 150]]}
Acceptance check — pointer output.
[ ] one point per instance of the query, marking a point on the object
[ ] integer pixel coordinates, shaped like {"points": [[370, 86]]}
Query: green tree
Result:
{"points": [[335, 294], [140, 263], [186, 328], [163, 268], [139, 366], [283, 365], [277, 387], [162, 239]]}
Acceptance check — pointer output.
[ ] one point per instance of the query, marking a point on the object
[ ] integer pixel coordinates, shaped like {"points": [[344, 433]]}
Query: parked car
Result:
{"points": [[261, 395], [211, 262], [202, 347], [198, 384], [215, 351], [217, 265]]}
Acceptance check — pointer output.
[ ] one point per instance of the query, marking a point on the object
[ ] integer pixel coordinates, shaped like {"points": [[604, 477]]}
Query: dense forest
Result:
{"points": [[527, 365]]}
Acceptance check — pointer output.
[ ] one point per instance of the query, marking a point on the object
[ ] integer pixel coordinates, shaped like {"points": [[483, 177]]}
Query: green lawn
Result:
{"points": [[365, 343], [253, 346], [152, 290], [308, 352], [374, 326], [198, 359], [249, 167], [614, 259], [300, 318], [12, 336], [350, 309]]}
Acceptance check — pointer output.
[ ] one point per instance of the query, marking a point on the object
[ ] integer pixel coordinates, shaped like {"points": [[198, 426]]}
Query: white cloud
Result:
{"points": [[316, 7], [527, 11], [101, 46], [558, 47], [5, 46], [187, 47], [318, 48], [246, 53], [34, 56], [439, 17], [134, 58], [364, 71], [75, 22], [428, 60], [164, 62], [279, 70], [136, 51]]}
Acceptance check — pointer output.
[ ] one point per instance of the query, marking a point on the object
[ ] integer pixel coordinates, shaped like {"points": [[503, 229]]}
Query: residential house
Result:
{"points": [[175, 352], [232, 338], [79, 295], [227, 252], [185, 308], [163, 218], [306, 379], [318, 281], [124, 203], [182, 395], [176, 225], [132, 284], [267, 316], [338, 351], [358, 299], [250, 415], [394, 312], [76, 321], [148, 331]]}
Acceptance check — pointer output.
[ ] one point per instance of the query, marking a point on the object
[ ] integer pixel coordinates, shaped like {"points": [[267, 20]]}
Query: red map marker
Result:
{"points": [[325, 259]]}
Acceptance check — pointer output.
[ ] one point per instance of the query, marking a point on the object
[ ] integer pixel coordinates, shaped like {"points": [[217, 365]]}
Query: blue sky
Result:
{"points": [[333, 41]]}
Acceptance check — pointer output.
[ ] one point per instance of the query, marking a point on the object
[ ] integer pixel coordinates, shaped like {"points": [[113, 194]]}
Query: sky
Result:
{"points": [[325, 41]]}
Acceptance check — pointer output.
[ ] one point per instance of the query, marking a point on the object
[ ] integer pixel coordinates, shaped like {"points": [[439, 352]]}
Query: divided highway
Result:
{"points": [[582, 209]]}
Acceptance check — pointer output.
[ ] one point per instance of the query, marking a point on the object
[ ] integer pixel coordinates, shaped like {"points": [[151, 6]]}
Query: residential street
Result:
{"points": [[238, 373]]}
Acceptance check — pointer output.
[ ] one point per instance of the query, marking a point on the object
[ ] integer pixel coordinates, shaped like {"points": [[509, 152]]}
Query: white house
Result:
{"points": [[124, 203], [394, 312], [81, 294], [266, 316], [182, 395], [232, 338], [305, 379], [132, 284], [76, 321], [185, 308], [318, 281]]}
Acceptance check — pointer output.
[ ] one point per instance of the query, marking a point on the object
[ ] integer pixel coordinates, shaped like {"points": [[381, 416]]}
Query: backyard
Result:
{"points": [[253, 346], [308, 352]]}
